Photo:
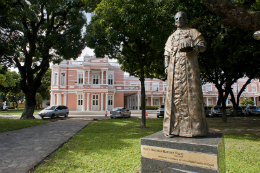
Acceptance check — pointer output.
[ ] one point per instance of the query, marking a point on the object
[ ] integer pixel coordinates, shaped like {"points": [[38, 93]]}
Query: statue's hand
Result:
{"points": [[196, 49]]}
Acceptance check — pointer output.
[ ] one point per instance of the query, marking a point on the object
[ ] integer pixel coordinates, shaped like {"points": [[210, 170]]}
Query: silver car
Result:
{"points": [[160, 111], [54, 111], [252, 110], [120, 112]]}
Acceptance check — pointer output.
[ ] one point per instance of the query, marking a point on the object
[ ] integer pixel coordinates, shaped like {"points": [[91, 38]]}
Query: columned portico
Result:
{"points": [[106, 101], [88, 76], [84, 77], [65, 99], [102, 99], [102, 77], [163, 99], [83, 106], [87, 101], [58, 99], [52, 98], [138, 102]]}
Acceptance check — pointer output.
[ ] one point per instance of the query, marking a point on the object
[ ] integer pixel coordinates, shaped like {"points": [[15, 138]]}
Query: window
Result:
{"points": [[55, 79], [156, 101], [95, 79], [210, 101], [110, 79], [62, 78], [155, 86], [208, 88], [254, 89], [228, 102], [246, 89], [80, 100], [110, 100], [80, 78], [95, 99], [147, 86], [164, 86]]}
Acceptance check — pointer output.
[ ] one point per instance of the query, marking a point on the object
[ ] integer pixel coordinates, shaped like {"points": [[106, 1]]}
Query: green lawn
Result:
{"points": [[114, 146], [15, 112], [13, 124]]}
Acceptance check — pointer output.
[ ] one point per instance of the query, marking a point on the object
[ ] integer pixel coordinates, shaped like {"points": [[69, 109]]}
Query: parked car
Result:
{"points": [[160, 111], [207, 111], [252, 110], [239, 111], [54, 111], [120, 112], [216, 111]]}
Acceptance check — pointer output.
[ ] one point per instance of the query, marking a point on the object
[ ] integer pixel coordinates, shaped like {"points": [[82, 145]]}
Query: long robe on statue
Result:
{"points": [[184, 106]]}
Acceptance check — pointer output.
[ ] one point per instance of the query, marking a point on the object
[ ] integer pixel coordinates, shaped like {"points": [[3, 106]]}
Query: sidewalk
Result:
{"points": [[23, 149]]}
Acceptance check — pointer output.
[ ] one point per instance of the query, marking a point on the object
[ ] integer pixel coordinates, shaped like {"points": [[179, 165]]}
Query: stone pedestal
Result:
{"points": [[183, 155]]}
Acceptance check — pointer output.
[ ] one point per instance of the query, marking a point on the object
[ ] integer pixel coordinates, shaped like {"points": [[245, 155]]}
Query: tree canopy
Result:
{"points": [[134, 32], [243, 14], [49, 31]]}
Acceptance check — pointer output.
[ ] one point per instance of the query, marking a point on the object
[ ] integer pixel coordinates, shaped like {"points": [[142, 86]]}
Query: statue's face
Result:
{"points": [[180, 20]]}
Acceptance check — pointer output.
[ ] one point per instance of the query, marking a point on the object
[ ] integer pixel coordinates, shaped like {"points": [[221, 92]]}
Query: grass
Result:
{"points": [[13, 124], [15, 112], [114, 146]]}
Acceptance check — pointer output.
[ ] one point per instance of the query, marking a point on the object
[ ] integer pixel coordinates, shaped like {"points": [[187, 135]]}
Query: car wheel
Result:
{"points": [[158, 116], [52, 116], [111, 117], [66, 115]]}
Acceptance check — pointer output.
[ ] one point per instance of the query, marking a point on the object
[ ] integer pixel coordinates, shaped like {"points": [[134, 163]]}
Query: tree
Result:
{"points": [[247, 101], [38, 99], [44, 89], [10, 85], [49, 31], [231, 52], [134, 32], [241, 14]]}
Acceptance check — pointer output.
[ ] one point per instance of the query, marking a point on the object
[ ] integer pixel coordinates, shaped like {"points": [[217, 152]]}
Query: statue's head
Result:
{"points": [[180, 19]]}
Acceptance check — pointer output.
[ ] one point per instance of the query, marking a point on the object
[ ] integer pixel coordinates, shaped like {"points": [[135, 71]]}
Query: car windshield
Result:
{"points": [[117, 109], [50, 108], [162, 106], [217, 107], [253, 107]]}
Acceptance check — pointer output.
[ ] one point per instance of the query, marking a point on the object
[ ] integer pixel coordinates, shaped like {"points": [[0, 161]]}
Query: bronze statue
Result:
{"points": [[184, 108]]}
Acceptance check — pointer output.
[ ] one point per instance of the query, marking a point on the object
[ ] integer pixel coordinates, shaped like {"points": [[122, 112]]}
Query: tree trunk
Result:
{"points": [[235, 104], [143, 122], [29, 106], [224, 112]]}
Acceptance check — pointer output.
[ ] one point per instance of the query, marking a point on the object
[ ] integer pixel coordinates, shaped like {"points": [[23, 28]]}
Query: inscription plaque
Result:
{"points": [[180, 156], [183, 155]]}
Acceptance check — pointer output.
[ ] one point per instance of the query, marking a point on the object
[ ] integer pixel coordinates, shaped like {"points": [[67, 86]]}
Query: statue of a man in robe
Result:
{"points": [[184, 107]]}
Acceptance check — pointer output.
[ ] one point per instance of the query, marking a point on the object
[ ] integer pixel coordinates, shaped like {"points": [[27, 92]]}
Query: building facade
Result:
{"points": [[99, 84]]}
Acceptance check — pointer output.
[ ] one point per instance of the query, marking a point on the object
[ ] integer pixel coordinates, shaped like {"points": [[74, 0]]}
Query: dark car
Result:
{"points": [[216, 111], [252, 110], [160, 111], [239, 111], [54, 111], [207, 111]]}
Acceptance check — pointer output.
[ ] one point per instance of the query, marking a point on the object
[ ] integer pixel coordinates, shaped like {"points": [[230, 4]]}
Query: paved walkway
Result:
{"points": [[21, 150]]}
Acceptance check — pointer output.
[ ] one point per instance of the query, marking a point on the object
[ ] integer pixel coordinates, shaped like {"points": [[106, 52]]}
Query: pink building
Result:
{"points": [[99, 84], [210, 92]]}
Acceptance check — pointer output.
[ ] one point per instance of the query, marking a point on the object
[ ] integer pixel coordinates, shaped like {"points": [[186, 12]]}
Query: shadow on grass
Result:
{"points": [[242, 128]]}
